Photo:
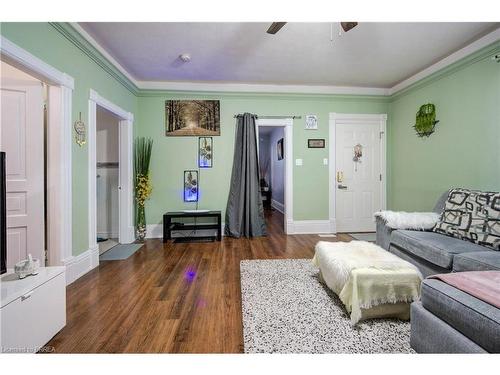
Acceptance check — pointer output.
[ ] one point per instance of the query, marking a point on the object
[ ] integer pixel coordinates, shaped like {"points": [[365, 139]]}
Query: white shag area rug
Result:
{"points": [[286, 309]]}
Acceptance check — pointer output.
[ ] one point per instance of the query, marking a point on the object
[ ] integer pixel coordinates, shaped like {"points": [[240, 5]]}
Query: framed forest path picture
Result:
{"points": [[192, 118]]}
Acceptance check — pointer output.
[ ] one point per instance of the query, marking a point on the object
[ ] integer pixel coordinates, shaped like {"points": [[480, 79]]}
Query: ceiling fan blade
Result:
{"points": [[275, 27], [348, 25]]}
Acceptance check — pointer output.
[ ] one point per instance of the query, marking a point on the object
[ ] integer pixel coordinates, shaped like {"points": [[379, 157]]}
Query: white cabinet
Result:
{"points": [[33, 309]]}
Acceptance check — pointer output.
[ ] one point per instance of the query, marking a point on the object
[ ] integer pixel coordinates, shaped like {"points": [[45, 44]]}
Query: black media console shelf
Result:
{"points": [[169, 225]]}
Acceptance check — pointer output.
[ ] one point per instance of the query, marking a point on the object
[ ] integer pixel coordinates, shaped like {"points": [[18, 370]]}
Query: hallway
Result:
{"points": [[275, 222]]}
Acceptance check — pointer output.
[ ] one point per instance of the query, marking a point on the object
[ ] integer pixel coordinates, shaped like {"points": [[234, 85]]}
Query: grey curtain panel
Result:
{"points": [[244, 212]]}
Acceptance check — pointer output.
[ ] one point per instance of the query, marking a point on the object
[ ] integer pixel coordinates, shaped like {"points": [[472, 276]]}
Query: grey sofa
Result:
{"points": [[435, 253], [446, 319]]}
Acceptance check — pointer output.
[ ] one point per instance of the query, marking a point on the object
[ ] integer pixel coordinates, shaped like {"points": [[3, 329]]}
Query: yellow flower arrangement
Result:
{"points": [[143, 189]]}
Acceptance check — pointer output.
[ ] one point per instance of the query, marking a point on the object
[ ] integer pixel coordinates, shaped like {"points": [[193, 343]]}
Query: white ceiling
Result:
{"points": [[370, 55]]}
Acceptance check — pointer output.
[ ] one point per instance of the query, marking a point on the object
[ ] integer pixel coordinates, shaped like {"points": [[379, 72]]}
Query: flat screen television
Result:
{"points": [[3, 216]]}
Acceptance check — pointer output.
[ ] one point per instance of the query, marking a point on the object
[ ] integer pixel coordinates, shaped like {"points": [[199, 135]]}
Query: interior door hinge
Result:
{"points": [[380, 177], [380, 134]]}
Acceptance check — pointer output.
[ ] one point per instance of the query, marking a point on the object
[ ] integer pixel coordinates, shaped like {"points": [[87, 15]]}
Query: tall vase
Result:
{"points": [[141, 223]]}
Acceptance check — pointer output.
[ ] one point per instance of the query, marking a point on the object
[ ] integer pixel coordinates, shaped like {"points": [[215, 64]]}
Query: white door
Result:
{"points": [[357, 184], [21, 137]]}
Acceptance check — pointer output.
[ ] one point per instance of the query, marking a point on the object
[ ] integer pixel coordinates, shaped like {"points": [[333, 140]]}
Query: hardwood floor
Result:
{"points": [[172, 298]]}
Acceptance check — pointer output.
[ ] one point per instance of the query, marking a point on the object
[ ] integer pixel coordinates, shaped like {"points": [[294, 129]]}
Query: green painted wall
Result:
{"points": [[45, 42], [464, 151], [173, 155]]}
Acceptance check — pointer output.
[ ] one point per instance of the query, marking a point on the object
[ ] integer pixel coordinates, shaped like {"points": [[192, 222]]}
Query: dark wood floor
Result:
{"points": [[172, 298]]}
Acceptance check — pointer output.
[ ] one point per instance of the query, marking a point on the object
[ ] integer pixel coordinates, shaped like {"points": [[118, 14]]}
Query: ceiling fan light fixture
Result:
{"points": [[275, 27], [348, 25]]}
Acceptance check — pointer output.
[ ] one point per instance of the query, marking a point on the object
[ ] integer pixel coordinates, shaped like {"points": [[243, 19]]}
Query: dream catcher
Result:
{"points": [[80, 132], [358, 153]]}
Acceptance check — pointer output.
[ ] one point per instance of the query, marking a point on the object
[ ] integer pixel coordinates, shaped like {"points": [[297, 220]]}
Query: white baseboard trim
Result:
{"points": [[130, 235], [278, 206], [333, 226], [77, 266], [156, 231], [309, 227]]}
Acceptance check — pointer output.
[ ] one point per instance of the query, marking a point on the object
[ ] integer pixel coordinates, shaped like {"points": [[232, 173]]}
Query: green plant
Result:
{"points": [[142, 159], [425, 120]]}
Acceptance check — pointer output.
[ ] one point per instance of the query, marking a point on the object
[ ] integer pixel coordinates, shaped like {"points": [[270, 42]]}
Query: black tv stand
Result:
{"points": [[169, 226]]}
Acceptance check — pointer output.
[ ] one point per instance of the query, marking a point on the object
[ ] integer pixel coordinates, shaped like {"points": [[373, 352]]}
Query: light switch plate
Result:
{"points": [[298, 161], [325, 161]]}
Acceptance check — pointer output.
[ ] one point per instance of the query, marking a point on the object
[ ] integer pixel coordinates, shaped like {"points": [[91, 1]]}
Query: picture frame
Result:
{"points": [[192, 118], [205, 152], [311, 122], [315, 143], [191, 187], [279, 149]]}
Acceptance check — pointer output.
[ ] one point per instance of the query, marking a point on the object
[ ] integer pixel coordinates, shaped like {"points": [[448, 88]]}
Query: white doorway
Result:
{"points": [[279, 172], [107, 179], [357, 170], [58, 153], [22, 139], [272, 172], [124, 122]]}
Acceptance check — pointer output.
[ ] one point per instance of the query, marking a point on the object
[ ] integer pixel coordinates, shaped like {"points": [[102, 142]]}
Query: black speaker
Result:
{"points": [[3, 216]]}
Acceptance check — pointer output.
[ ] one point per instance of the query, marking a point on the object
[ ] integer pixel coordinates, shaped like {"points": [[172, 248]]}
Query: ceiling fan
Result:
{"points": [[276, 26]]}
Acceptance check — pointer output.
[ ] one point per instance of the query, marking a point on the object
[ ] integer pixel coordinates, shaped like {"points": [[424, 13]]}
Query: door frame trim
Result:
{"points": [[125, 206], [59, 147], [381, 121], [287, 125]]}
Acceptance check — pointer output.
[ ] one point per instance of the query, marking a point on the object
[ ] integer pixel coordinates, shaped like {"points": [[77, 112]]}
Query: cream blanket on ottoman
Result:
{"points": [[370, 281]]}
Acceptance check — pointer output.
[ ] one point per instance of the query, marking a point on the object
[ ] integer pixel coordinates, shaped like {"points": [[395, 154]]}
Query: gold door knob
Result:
{"points": [[340, 176]]}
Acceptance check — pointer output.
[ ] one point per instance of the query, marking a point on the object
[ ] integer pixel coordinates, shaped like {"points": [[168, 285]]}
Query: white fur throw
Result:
{"points": [[409, 220], [364, 275]]}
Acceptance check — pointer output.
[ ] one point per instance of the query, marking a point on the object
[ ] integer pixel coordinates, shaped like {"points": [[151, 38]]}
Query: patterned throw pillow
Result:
{"points": [[472, 216]]}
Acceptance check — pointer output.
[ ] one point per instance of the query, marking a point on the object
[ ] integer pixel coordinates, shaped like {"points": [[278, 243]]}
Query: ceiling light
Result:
{"points": [[186, 57]]}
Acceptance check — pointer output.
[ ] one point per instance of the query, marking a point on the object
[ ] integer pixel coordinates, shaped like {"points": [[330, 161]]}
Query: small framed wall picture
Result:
{"points": [[311, 122], [316, 143], [205, 152], [191, 186], [279, 149]]}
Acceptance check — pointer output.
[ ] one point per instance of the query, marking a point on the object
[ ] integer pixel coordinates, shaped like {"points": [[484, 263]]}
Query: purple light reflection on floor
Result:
{"points": [[190, 274]]}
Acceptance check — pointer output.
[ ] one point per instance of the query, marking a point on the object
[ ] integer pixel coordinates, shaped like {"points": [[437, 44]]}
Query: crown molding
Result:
{"points": [[260, 88], [471, 53], [82, 43], [449, 62], [252, 95], [103, 52]]}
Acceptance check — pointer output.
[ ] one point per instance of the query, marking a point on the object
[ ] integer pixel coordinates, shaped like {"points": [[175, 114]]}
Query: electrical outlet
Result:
{"points": [[325, 161], [298, 162]]}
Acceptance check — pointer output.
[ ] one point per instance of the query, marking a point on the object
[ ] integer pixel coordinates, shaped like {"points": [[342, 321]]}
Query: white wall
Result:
{"points": [[277, 166], [107, 151]]}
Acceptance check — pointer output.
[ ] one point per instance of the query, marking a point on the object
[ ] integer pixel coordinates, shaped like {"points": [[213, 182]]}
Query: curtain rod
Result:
{"points": [[275, 117]]}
